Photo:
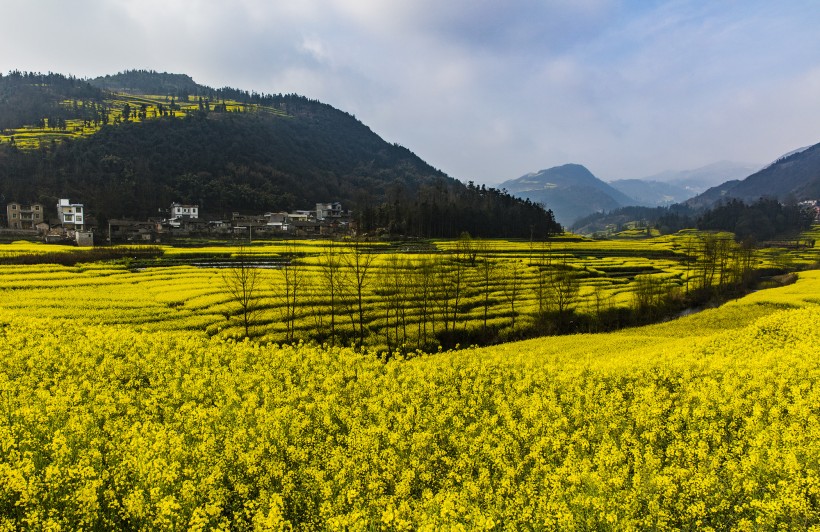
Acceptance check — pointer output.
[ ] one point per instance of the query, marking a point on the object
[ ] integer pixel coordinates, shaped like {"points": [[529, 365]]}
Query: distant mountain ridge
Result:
{"points": [[699, 179], [670, 187], [795, 176], [651, 193], [570, 190]]}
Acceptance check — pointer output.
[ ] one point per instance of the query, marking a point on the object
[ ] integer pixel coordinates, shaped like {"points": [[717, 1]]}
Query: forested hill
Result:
{"points": [[150, 82], [229, 150], [29, 99]]}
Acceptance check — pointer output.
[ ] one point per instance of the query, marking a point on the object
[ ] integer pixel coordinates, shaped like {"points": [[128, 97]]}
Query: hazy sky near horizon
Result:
{"points": [[483, 90]]}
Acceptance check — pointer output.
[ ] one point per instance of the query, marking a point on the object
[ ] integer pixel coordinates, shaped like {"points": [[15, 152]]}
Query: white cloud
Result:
{"points": [[482, 89]]}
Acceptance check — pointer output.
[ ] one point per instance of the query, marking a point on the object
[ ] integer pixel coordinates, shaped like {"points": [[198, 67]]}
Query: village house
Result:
{"points": [[71, 215], [133, 231], [22, 216], [219, 226], [328, 210], [278, 222], [179, 210]]}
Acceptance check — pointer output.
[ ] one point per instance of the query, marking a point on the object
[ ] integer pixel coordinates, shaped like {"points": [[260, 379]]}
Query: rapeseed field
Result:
{"points": [[708, 422]]}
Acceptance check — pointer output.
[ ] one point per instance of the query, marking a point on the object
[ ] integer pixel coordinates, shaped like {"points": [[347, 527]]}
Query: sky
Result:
{"points": [[483, 90]]}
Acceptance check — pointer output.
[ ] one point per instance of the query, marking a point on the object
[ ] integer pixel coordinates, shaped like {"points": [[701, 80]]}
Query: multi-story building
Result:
{"points": [[21, 216], [71, 215], [328, 210], [178, 210]]}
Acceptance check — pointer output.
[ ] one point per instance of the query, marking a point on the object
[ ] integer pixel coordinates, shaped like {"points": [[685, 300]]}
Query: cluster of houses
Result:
{"points": [[69, 226], [327, 219]]}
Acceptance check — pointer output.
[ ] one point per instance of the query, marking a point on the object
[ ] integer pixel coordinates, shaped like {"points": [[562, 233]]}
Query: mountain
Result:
{"points": [[570, 190], [651, 193], [670, 187], [704, 177], [130, 144], [795, 176]]}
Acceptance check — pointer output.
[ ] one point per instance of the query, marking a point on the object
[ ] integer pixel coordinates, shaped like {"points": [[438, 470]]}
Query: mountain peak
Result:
{"points": [[570, 190]]}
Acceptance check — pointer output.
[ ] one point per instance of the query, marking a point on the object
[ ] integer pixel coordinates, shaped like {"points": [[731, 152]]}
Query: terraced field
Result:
{"points": [[140, 107], [501, 285]]}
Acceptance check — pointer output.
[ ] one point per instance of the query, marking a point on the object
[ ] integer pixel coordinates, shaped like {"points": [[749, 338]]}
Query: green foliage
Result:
{"points": [[763, 220], [28, 98]]}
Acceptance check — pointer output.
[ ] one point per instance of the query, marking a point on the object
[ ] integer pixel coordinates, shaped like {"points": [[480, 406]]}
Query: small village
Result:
{"points": [[74, 225]]}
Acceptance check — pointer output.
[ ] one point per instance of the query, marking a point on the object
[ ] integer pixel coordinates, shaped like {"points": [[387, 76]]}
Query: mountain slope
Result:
{"points": [[229, 150], [570, 190], [792, 177]]}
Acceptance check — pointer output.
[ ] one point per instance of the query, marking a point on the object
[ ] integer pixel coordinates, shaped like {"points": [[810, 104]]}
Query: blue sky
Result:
{"points": [[486, 91]]}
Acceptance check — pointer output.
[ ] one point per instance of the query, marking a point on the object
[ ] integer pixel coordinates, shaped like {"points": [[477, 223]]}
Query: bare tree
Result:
{"points": [[292, 281], [457, 279], [467, 248], [487, 268], [563, 288], [598, 303], [648, 294], [690, 257], [744, 262], [423, 284], [241, 281], [446, 291], [359, 263], [395, 285], [512, 287], [708, 262], [330, 268], [542, 291]]}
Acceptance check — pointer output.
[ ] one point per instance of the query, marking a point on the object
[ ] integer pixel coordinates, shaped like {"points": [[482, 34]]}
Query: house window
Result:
{"points": [[14, 215], [13, 207], [36, 207]]}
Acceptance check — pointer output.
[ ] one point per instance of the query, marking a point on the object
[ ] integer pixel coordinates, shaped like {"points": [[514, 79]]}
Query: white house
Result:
{"points": [[178, 210], [71, 215]]}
